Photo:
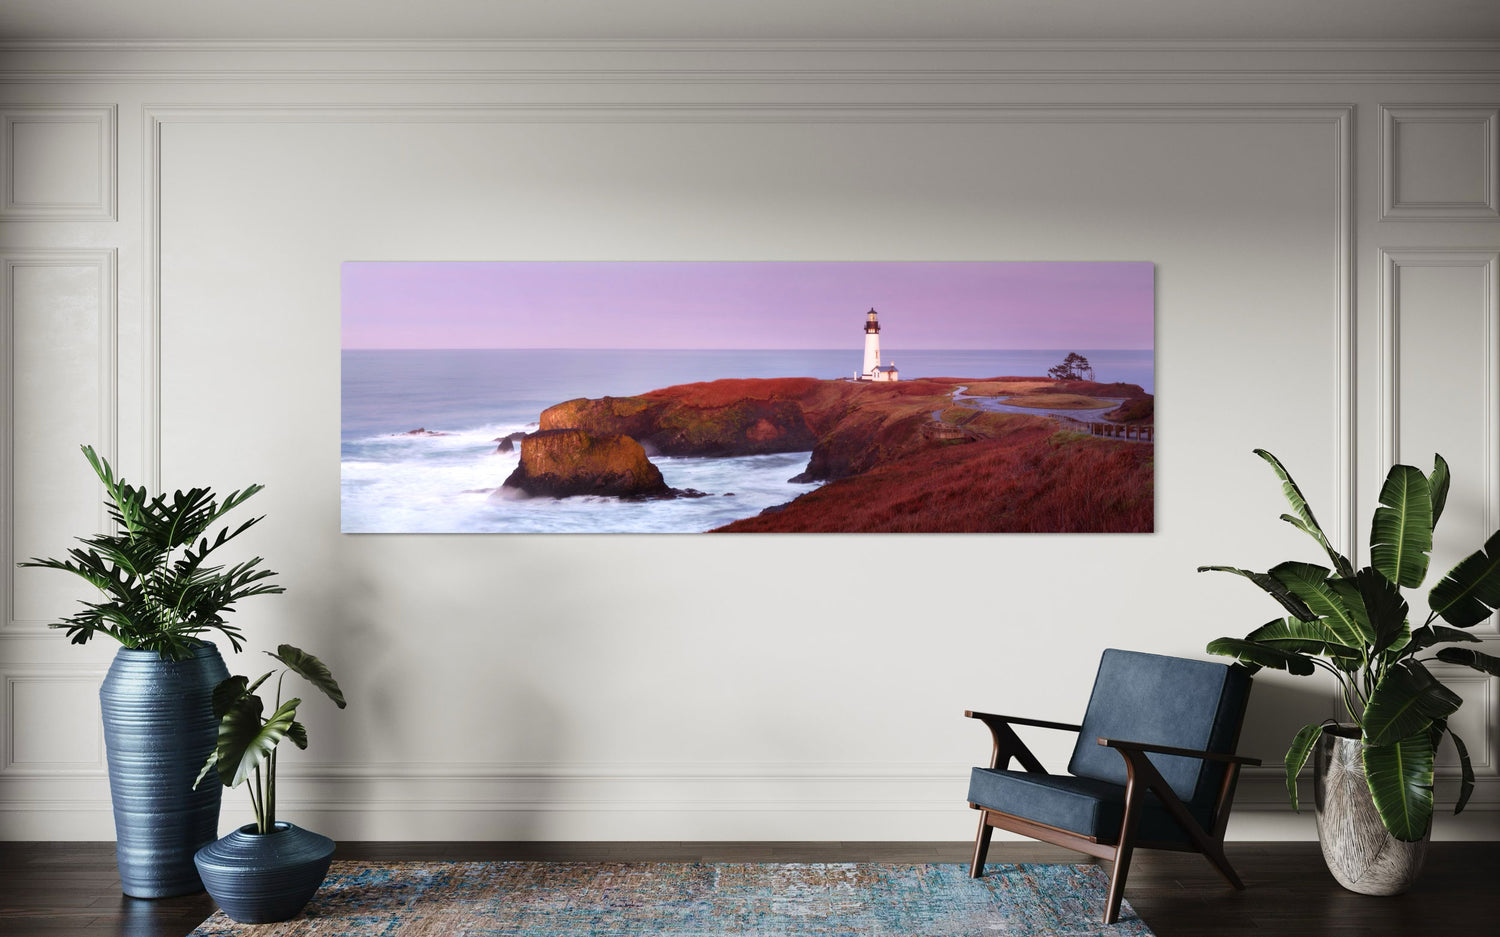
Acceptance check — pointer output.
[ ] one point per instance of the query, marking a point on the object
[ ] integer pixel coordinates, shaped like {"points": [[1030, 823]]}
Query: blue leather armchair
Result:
{"points": [[1154, 767]]}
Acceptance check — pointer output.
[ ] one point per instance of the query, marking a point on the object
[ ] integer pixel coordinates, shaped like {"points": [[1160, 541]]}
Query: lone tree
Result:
{"points": [[1075, 367]]}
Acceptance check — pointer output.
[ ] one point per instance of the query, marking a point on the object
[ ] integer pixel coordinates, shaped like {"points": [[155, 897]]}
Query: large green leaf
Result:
{"points": [[1384, 606], [1304, 521], [1262, 655], [1465, 765], [1428, 635], [228, 693], [1466, 770], [1406, 700], [245, 742], [1271, 586], [231, 691], [312, 670], [1301, 637], [1438, 483], [1471, 590], [1310, 583], [297, 733], [1401, 533], [1296, 757], [1400, 779], [1468, 657]]}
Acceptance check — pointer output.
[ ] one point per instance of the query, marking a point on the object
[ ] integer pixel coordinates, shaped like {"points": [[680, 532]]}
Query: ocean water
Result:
{"points": [[394, 483]]}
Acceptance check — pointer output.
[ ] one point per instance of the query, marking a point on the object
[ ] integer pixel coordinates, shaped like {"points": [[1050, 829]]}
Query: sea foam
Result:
{"points": [[442, 484]]}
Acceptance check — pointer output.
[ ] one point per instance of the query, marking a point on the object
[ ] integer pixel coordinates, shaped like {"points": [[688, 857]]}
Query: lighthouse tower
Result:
{"points": [[872, 347], [873, 369]]}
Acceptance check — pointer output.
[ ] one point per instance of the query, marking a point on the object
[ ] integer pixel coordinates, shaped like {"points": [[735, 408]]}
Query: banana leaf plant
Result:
{"points": [[160, 593], [1353, 623], [248, 738]]}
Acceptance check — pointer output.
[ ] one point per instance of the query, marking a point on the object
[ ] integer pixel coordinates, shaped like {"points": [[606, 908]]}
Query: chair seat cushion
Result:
{"points": [[1081, 805]]}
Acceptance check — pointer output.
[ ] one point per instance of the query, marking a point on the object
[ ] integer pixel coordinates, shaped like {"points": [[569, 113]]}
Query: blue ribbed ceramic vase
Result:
{"points": [[159, 729], [260, 878]]}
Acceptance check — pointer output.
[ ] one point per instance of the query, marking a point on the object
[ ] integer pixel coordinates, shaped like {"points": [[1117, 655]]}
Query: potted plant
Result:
{"points": [[267, 870], [160, 597], [1374, 774]]}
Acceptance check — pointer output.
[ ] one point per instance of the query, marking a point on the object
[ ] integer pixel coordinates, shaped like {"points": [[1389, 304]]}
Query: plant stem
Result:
{"points": [[270, 804], [1349, 707], [270, 800], [255, 803], [1344, 687]]}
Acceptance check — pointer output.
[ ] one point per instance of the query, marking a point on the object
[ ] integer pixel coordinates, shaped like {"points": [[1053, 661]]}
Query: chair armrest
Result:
{"points": [[1019, 721], [1008, 744], [1125, 746]]}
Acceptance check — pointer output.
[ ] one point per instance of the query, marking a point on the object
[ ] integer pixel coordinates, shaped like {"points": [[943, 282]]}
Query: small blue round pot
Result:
{"points": [[159, 729], [260, 878]]}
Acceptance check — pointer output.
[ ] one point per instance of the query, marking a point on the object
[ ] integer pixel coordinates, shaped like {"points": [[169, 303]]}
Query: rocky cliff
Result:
{"points": [[666, 426]]}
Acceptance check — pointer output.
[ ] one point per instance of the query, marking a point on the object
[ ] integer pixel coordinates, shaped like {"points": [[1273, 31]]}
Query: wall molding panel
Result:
{"points": [[1338, 119], [97, 180], [101, 264], [17, 679], [1487, 262], [1392, 262], [1484, 164]]}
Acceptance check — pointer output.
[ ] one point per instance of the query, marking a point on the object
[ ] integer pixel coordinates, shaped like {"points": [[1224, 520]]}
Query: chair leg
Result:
{"points": [[981, 846], [1117, 883], [1221, 862], [1123, 851]]}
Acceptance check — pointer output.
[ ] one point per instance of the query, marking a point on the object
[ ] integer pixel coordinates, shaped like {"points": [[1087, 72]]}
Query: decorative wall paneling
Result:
{"points": [[1440, 163], [57, 163]]}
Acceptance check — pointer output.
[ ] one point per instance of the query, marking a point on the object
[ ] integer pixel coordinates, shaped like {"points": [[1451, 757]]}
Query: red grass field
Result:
{"points": [[1033, 482]]}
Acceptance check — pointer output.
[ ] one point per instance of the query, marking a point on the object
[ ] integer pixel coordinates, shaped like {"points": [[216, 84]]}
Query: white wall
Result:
{"points": [[1324, 228]]}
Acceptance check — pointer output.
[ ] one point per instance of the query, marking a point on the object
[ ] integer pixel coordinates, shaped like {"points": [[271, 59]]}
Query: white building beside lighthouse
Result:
{"points": [[873, 370]]}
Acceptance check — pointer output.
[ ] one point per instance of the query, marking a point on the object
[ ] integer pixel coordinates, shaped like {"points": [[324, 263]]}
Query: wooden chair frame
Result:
{"points": [[1141, 775]]}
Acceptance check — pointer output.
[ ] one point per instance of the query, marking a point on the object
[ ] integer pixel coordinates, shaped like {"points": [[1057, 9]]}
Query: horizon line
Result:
{"points": [[841, 348]]}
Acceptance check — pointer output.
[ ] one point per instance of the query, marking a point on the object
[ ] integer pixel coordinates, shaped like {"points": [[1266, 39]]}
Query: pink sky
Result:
{"points": [[732, 304]]}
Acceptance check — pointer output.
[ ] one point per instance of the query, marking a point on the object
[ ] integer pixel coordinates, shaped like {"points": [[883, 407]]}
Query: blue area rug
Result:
{"points": [[636, 899]]}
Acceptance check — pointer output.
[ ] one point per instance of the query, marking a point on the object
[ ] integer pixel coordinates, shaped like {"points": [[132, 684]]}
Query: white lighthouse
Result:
{"points": [[872, 370], [872, 346]]}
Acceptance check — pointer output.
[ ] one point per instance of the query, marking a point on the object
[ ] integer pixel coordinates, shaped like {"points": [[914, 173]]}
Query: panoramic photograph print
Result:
{"points": [[745, 397]]}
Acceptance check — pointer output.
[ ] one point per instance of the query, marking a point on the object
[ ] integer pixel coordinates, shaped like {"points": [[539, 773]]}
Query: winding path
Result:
{"points": [[1079, 418]]}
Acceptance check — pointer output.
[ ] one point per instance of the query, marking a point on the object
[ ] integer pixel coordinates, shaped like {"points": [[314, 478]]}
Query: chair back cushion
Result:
{"points": [[1163, 701]]}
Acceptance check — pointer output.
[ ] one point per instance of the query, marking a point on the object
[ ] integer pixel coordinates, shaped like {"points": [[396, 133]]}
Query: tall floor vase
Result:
{"points": [[159, 729], [1360, 852]]}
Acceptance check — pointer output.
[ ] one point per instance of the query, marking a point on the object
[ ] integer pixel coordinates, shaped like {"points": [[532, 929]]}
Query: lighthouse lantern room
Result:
{"points": [[872, 370]]}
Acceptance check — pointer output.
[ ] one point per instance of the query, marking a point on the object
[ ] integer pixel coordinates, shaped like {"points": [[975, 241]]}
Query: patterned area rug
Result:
{"points": [[636, 899]]}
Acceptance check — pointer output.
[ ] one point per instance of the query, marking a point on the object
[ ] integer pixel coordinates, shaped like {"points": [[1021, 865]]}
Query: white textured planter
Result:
{"points": [[1360, 852]]}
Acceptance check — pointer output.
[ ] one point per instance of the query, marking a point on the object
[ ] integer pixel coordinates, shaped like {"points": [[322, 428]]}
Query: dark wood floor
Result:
{"points": [[56, 889]]}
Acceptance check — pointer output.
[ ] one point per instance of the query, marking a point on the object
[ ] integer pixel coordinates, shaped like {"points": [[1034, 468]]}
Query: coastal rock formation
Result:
{"points": [[508, 443], [561, 463], [422, 431], [676, 427], [619, 416]]}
